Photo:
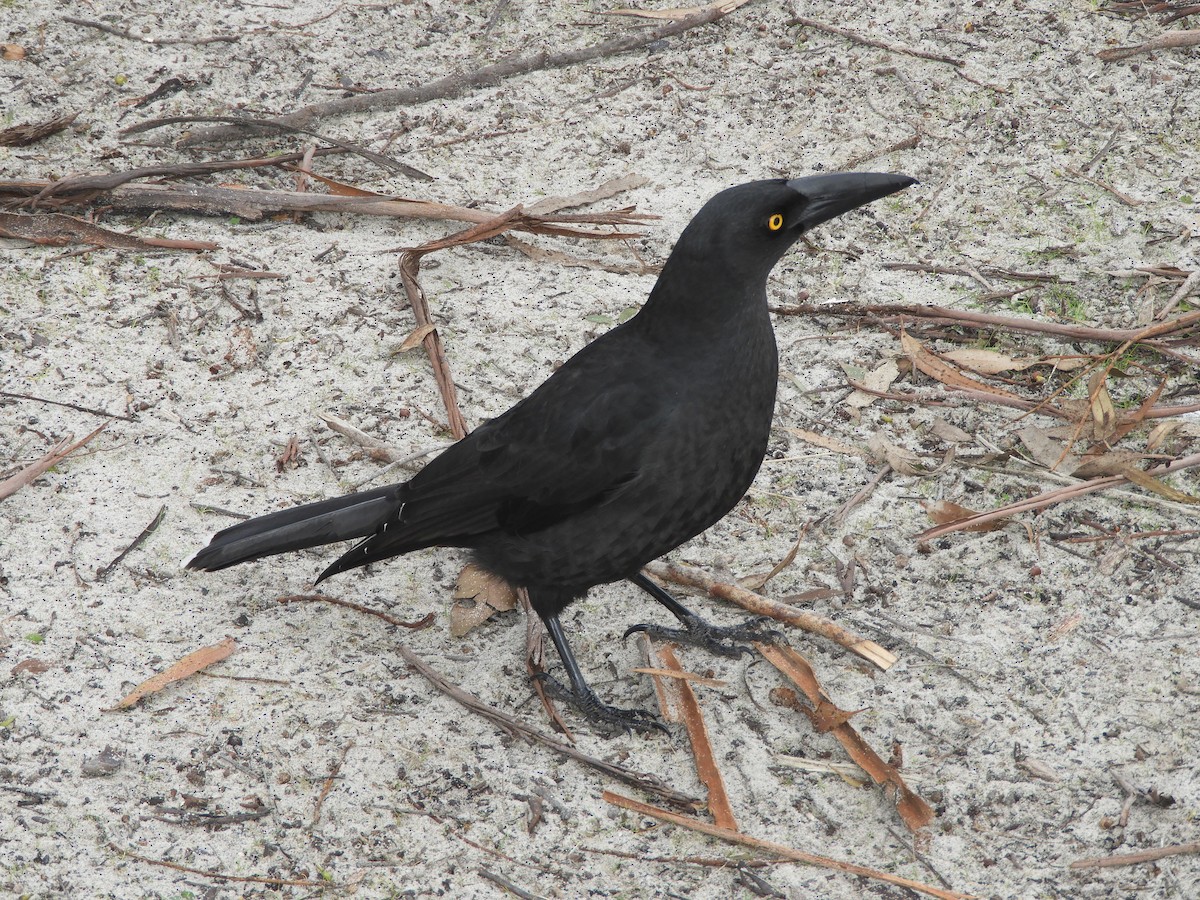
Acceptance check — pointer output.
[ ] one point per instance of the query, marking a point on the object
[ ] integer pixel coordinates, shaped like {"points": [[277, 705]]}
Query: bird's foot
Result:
{"points": [[596, 710], [723, 641]]}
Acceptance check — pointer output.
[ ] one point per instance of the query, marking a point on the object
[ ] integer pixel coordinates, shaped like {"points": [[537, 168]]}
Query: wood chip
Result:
{"points": [[915, 812], [706, 762], [186, 667]]}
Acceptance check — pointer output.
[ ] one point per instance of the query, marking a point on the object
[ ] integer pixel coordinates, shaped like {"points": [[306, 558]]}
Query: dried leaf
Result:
{"points": [[549, 205], [828, 443], [340, 189], [33, 471], [1149, 482], [878, 379], [903, 461], [939, 370], [949, 433], [943, 512], [987, 362], [1064, 627], [1046, 449], [414, 339], [826, 716], [848, 772], [1159, 433], [478, 596], [1112, 463], [1104, 414], [59, 230], [32, 666], [11, 52], [24, 135], [991, 362], [1067, 363], [186, 667]]}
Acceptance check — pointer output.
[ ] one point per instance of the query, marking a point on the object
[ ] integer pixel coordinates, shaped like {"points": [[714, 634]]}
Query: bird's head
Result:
{"points": [[749, 227]]}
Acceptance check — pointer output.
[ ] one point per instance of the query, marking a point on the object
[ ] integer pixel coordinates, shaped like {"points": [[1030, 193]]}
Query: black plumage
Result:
{"points": [[643, 439]]}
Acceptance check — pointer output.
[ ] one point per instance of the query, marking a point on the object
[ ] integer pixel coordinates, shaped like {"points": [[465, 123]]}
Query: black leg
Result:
{"points": [[582, 697], [696, 631]]}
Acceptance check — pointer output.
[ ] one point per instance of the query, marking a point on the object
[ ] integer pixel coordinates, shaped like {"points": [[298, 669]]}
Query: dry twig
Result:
{"points": [[1171, 40], [456, 85], [765, 606], [336, 601], [221, 876], [1141, 856], [33, 471], [142, 39], [873, 42], [328, 785], [702, 751], [102, 574], [745, 840], [943, 315], [1049, 498]]}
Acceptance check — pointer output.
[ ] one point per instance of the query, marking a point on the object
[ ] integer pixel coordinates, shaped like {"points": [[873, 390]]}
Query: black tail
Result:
{"points": [[311, 525]]}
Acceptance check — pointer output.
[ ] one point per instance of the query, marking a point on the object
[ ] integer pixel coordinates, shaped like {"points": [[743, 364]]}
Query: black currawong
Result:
{"points": [[640, 441]]}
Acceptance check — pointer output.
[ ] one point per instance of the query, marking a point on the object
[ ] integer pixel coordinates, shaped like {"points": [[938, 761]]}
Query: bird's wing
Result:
{"points": [[536, 465], [566, 447]]}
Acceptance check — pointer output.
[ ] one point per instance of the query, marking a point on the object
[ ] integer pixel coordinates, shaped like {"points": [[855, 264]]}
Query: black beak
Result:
{"points": [[838, 192]]}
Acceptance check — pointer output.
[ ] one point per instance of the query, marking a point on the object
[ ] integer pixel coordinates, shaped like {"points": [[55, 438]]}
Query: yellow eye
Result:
{"points": [[775, 222]]}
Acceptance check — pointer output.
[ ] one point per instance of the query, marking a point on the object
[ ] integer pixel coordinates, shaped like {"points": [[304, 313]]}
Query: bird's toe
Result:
{"points": [[595, 710]]}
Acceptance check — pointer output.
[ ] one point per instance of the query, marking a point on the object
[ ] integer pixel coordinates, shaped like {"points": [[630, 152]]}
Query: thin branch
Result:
{"points": [[1189, 284], [456, 85], [74, 406], [1141, 856], [646, 782], [33, 471], [107, 181], [873, 42], [410, 266], [255, 205], [222, 876], [754, 843], [1171, 40], [765, 606], [142, 39], [379, 159], [335, 601], [1049, 498], [137, 542], [944, 315]]}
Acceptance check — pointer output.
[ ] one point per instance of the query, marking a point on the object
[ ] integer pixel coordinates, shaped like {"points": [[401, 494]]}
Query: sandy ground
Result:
{"points": [[1046, 697]]}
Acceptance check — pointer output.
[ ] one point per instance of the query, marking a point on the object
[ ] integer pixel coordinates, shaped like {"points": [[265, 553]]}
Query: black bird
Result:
{"points": [[640, 441]]}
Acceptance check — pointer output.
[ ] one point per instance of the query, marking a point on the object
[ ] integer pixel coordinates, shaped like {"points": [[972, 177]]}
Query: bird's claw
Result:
{"points": [[699, 633], [595, 710]]}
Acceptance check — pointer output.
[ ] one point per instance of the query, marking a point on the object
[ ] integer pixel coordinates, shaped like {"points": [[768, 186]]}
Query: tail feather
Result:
{"points": [[311, 525]]}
